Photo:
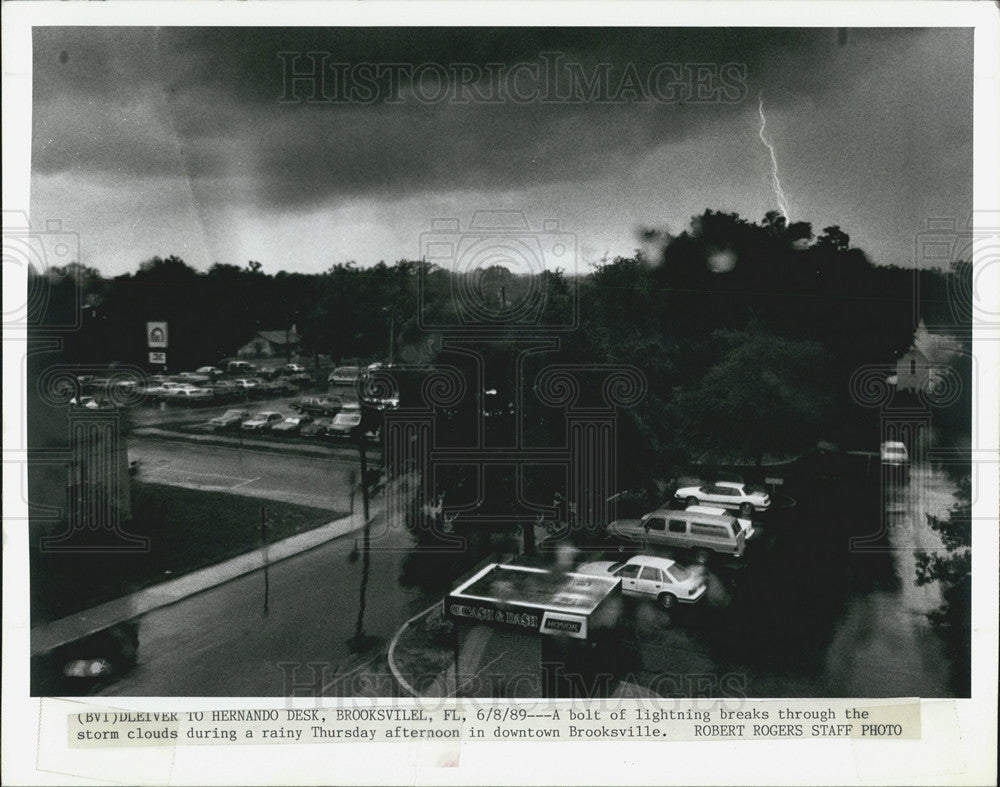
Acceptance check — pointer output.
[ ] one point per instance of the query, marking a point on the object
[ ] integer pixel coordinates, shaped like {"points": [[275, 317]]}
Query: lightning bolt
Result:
{"points": [[775, 181]]}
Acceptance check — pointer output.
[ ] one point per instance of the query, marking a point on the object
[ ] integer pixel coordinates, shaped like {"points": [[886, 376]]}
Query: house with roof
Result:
{"points": [[271, 344], [927, 359]]}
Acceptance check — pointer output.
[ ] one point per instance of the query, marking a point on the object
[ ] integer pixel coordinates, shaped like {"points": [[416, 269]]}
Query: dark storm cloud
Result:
{"points": [[204, 103], [165, 101]]}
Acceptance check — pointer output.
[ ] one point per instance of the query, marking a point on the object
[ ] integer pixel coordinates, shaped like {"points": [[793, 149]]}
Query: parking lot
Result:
{"points": [[806, 612]]}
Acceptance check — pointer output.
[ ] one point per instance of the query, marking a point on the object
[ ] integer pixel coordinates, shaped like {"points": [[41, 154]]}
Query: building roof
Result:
{"points": [[524, 586], [281, 336], [937, 349]]}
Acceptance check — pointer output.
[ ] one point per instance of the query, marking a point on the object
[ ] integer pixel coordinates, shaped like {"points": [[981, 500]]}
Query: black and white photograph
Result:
{"points": [[458, 362]]}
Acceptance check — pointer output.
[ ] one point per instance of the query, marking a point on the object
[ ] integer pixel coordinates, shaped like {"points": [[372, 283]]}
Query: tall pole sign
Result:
{"points": [[156, 341]]}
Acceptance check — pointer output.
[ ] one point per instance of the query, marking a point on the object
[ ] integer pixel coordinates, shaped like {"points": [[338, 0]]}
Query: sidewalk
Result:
{"points": [[46, 637]]}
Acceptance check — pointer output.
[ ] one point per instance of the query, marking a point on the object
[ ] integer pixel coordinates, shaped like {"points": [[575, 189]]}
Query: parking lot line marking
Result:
{"points": [[244, 483]]}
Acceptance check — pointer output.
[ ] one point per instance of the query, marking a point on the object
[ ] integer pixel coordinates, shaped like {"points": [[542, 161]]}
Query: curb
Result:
{"points": [[396, 674], [54, 634]]}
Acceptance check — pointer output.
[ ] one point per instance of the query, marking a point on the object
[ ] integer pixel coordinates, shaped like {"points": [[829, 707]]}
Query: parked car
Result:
{"points": [[745, 522], [345, 423], [240, 367], [301, 379], [88, 402], [344, 375], [246, 384], [317, 428], [231, 419], [318, 405], [292, 424], [211, 371], [171, 389], [152, 391], [701, 533], [225, 389], [728, 494], [262, 422], [191, 395], [292, 368], [281, 386], [194, 377], [652, 577], [893, 452]]}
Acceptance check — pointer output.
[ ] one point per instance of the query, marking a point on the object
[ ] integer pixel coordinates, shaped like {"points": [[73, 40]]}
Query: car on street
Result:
{"points": [[210, 371], [892, 452], [317, 428], [231, 419], [647, 576], [728, 494], [345, 423], [262, 422], [292, 424]]}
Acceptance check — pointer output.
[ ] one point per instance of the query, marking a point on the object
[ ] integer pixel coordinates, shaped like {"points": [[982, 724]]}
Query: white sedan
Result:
{"points": [[728, 494], [655, 577], [262, 422]]}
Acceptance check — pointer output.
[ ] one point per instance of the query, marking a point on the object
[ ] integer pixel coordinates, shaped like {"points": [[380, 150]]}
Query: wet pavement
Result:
{"points": [[223, 642], [319, 481], [825, 604]]}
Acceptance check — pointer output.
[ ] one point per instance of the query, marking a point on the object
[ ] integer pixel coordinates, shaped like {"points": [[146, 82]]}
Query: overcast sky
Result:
{"points": [[175, 141]]}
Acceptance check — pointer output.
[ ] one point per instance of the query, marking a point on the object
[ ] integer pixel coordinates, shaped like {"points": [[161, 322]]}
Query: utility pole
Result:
{"points": [[265, 539], [392, 338], [359, 642]]}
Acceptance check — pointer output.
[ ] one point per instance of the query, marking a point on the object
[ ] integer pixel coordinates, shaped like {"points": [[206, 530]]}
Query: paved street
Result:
{"points": [[306, 480], [222, 643]]}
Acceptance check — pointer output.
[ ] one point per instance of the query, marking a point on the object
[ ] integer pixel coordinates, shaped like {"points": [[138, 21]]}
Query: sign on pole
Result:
{"points": [[156, 335], [160, 358]]}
